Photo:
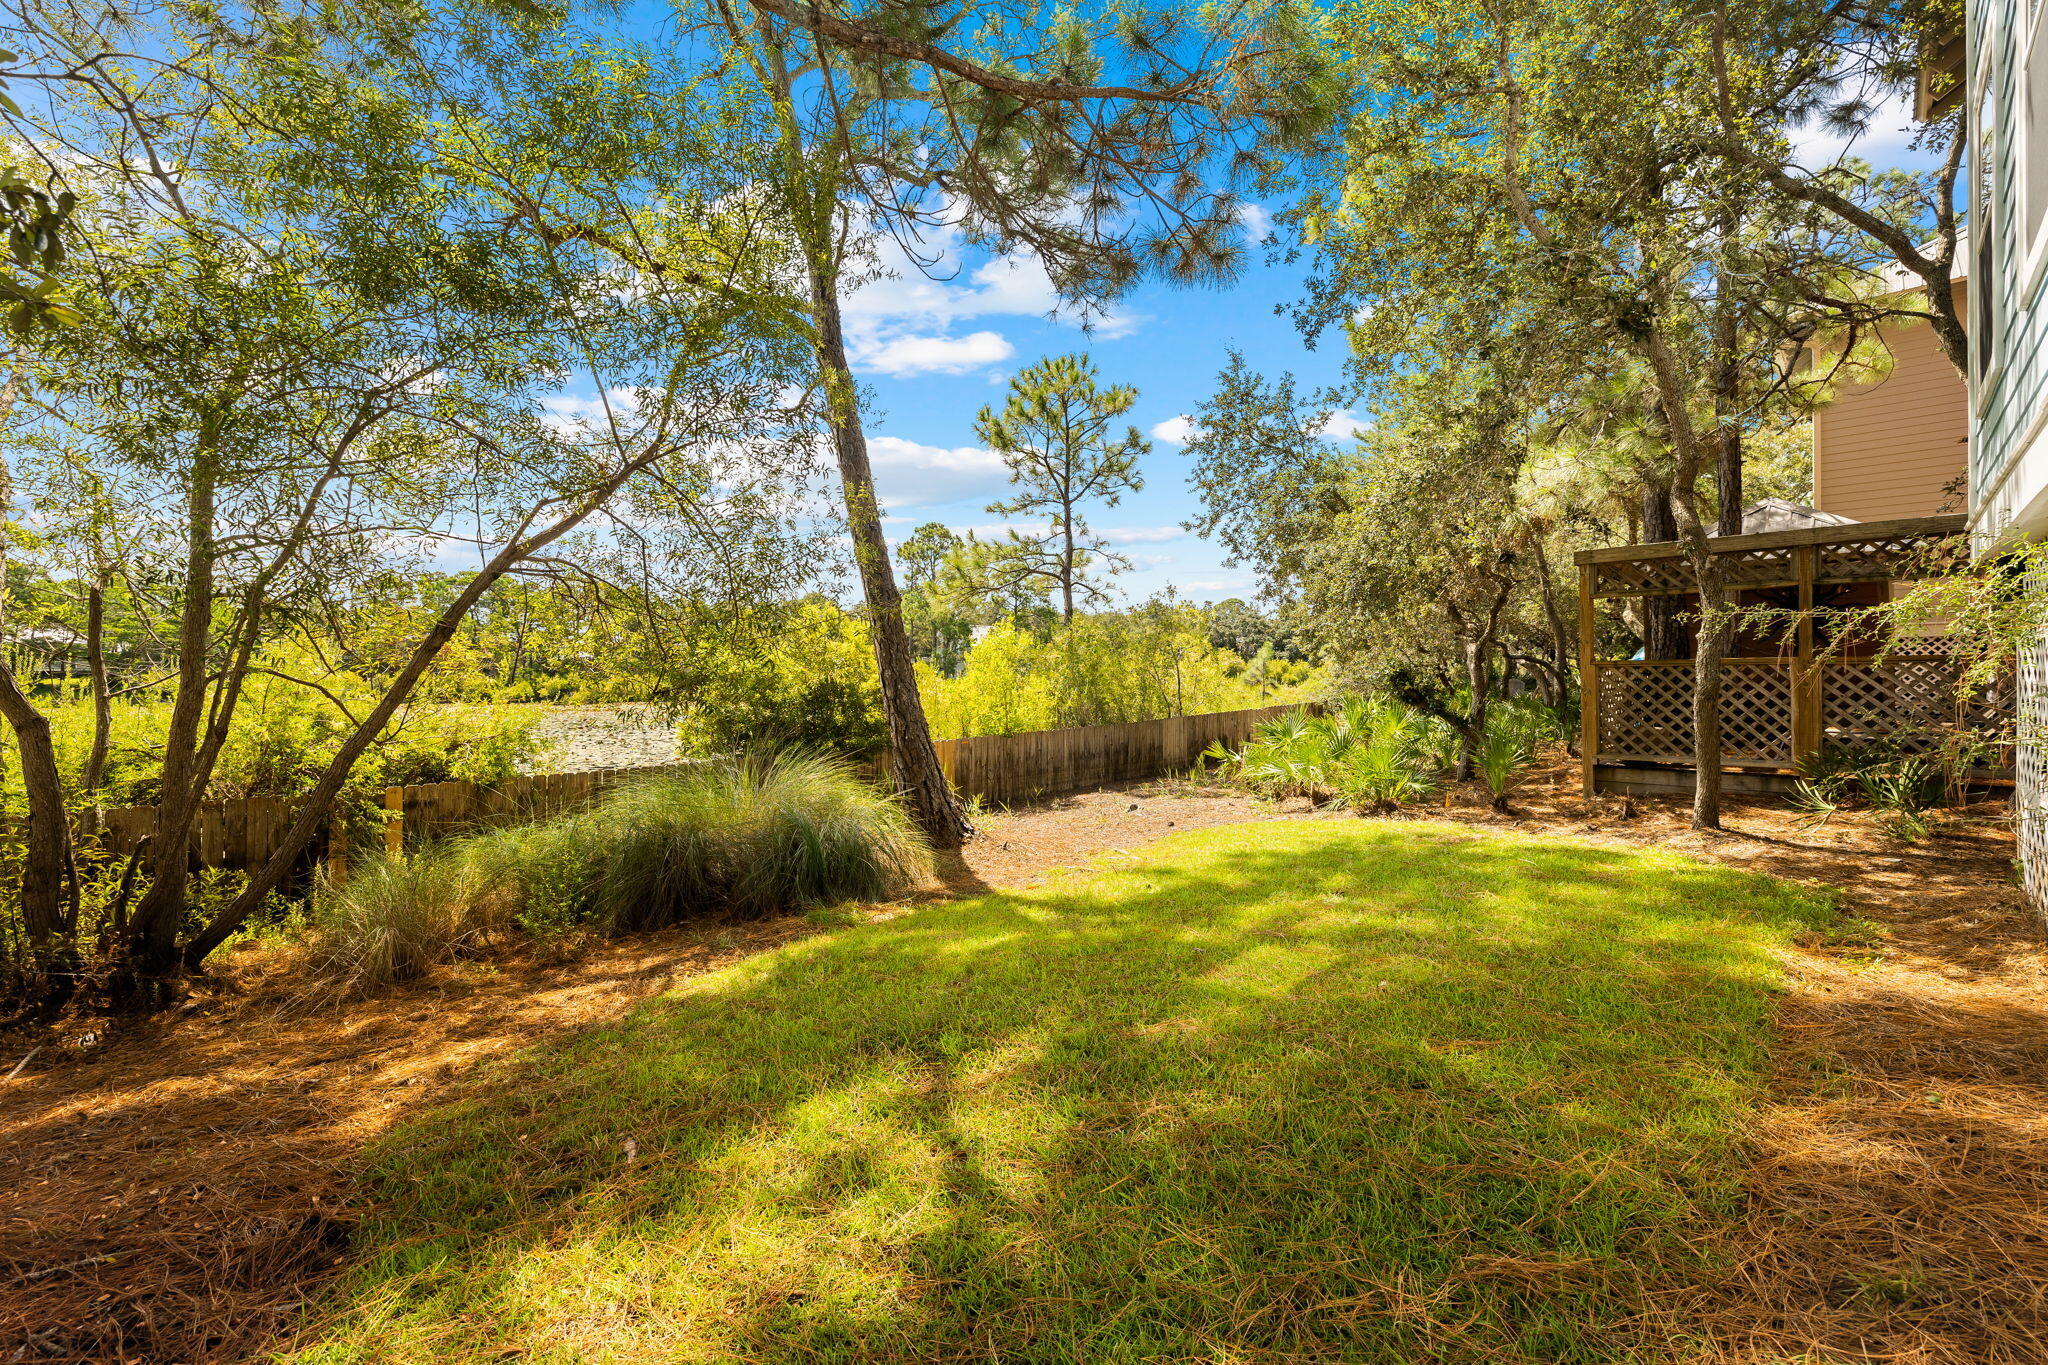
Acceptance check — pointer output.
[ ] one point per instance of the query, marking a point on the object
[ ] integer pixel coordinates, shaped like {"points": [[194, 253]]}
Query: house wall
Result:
{"points": [[1897, 447], [2009, 352]]}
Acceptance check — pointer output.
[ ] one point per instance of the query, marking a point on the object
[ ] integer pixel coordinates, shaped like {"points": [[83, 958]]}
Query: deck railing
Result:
{"points": [[1777, 709]]}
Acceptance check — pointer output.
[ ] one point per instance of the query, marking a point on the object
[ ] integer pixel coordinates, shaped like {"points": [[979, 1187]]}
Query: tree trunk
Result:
{"points": [[1728, 481], [1727, 412], [1068, 570], [1477, 688], [1561, 639], [919, 775], [48, 836], [152, 947], [1663, 633], [1710, 647], [102, 699]]}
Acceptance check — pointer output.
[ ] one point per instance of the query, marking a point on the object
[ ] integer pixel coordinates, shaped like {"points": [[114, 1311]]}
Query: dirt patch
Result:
{"points": [[172, 1193]]}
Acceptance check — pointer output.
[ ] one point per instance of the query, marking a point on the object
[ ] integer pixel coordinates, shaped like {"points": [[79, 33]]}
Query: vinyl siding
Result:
{"points": [[2008, 455], [2005, 482], [1890, 448]]}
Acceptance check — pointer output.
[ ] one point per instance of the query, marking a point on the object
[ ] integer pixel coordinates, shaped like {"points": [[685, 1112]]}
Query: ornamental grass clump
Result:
{"points": [[747, 837], [754, 836]]}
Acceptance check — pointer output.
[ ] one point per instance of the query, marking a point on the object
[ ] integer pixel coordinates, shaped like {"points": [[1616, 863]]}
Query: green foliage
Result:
{"points": [[1902, 787], [1518, 731], [754, 836], [1054, 436], [1369, 753], [810, 683], [284, 735], [1101, 669]]}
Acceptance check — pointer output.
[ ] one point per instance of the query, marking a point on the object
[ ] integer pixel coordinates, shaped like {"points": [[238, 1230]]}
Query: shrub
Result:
{"points": [[753, 836], [1517, 730], [1900, 787], [1371, 753], [393, 918], [1383, 773]]}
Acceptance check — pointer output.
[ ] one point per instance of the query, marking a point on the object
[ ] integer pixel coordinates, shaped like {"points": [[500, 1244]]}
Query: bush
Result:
{"points": [[753, 836], [1370, 753], [1518, 729], [1901, 787]]}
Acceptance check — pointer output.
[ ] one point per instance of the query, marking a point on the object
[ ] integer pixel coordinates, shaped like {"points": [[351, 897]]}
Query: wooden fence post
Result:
{"points": [[394, 821], [337, 850]]}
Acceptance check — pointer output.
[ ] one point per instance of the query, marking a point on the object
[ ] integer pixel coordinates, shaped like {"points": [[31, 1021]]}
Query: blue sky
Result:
{"points": [[933, 351]]}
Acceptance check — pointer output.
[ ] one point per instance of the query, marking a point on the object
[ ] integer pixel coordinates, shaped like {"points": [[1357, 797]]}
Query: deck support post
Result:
{"points": [[1806, 694], [1589, 682]]}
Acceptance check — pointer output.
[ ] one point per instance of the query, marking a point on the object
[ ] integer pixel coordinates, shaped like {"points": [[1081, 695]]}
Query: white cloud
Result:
{"points": [[919, 296], [569, 412], [1885, 143], [908, 354], [912, 474], [1258, 224], [1217, 584], [1174, 430], [1342, 426], [1113, 325], [1144, 535]]}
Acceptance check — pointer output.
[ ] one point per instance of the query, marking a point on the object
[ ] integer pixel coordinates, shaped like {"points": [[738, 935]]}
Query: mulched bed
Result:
{"points": [[171, 1191]]}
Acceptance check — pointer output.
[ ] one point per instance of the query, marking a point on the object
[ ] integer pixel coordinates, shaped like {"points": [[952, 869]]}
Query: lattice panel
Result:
{"points": [[1748, 568], [1756, 713], [2030, 793], [1880, 557], [1907, 702], [1645, 712], [1647, 576]]}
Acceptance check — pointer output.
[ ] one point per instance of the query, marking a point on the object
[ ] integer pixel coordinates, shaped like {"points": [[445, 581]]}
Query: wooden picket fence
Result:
{"points": [[1004, 769], [246, 833], [1036, 764]]}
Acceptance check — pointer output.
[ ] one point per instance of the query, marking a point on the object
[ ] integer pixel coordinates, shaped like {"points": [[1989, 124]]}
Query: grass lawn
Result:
{"points": [[1331, 1090]]}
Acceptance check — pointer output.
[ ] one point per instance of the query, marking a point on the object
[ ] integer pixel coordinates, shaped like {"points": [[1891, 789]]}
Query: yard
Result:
{"points": [[1160, 1071], [1322, 1089]]}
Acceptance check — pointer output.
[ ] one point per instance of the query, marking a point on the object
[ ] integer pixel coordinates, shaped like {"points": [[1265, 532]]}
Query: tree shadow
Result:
{"points": [[1364, 1092]]}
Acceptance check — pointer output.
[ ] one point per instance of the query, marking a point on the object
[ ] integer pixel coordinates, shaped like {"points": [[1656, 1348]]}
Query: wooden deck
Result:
{"points": [[1776, 709]]}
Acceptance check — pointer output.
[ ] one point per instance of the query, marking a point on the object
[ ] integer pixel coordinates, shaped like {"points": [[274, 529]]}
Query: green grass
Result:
{"points": [[1336, 1090]]}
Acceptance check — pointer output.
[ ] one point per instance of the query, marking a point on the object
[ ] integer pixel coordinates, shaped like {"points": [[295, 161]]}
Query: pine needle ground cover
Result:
{"points": [[1332, 1090]]}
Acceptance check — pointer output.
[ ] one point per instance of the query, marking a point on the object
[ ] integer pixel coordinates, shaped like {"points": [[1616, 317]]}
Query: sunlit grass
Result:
{"points": [[1334, 1090]]}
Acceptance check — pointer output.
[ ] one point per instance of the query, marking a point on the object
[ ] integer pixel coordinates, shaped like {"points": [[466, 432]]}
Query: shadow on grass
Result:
{"points": [[1339, 1090]]}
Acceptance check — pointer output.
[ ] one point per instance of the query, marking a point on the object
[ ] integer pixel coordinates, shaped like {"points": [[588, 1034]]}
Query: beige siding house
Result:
{"points": [[1898, 447]]}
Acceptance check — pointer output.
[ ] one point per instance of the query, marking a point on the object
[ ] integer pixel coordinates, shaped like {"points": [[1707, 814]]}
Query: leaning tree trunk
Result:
{"points": [[919, 775], [151, 950], [48, 851]]}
